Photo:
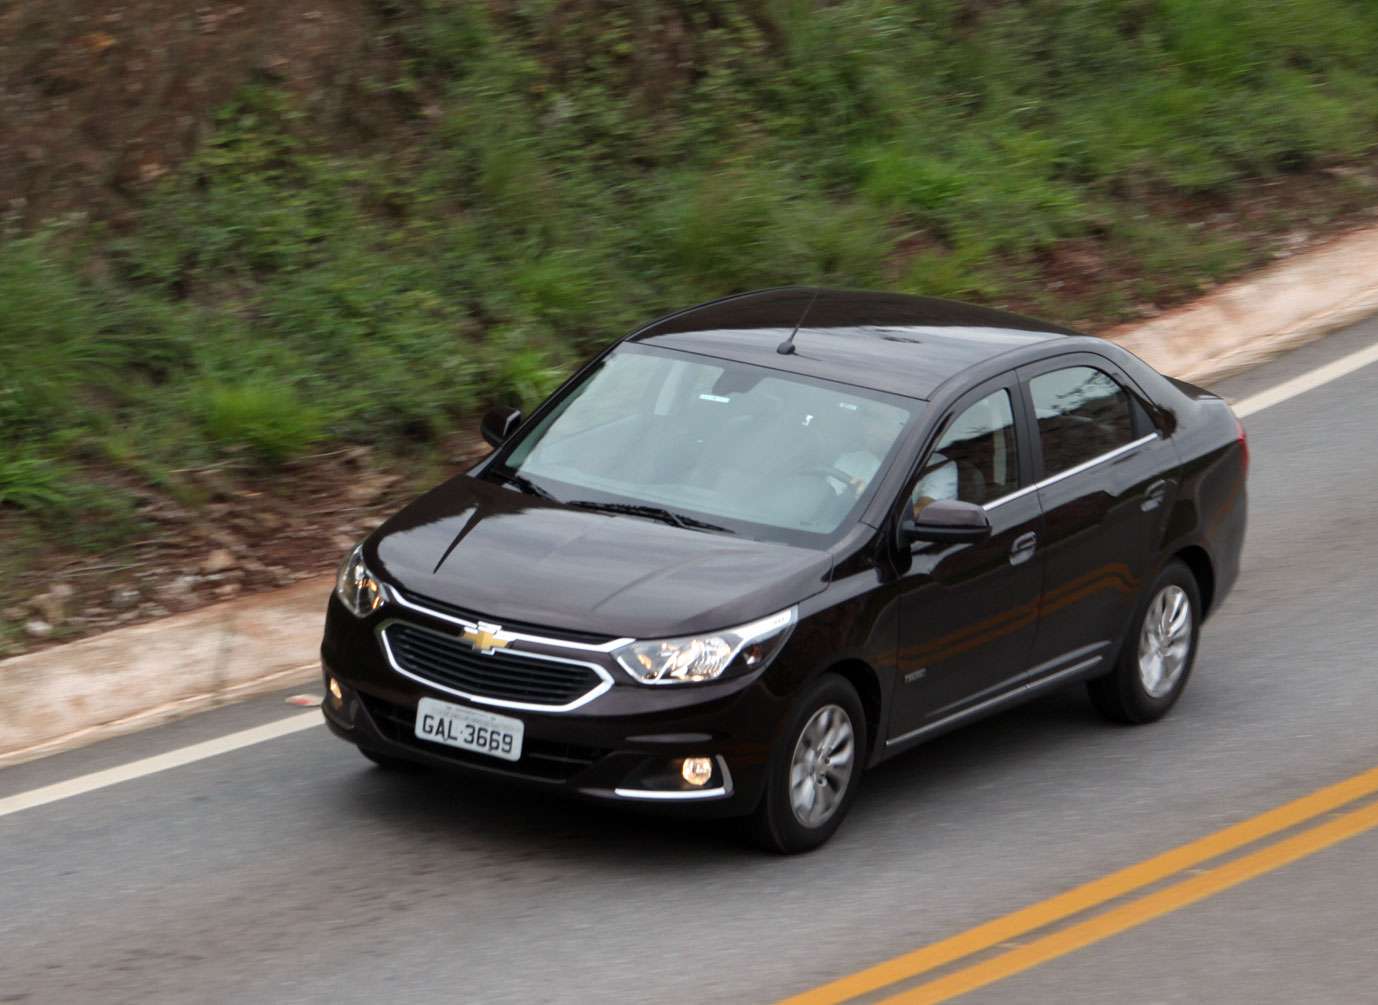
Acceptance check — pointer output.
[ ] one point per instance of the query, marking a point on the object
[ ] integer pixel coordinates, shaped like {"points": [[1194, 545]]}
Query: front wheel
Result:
{"points": [[815, 769], [1156, 658]]}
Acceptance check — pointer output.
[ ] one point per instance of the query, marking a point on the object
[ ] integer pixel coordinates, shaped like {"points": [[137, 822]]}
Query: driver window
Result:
{"points": [[975, 460]]}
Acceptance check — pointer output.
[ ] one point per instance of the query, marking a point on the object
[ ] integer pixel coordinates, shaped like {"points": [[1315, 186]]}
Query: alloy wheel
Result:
{"points": [[821, 767], [1165, 641]]}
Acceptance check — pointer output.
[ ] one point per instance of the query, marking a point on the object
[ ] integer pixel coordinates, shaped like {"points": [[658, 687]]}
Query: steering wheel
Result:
{"points": [[836, 473]]}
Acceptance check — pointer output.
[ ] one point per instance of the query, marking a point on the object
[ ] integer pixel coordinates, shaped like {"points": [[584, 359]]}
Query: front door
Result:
{"points": [[968, 612]]}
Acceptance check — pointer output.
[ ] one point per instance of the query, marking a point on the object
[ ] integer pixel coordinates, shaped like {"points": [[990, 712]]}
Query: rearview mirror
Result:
{"points": [[500, 423], [947, 521]]}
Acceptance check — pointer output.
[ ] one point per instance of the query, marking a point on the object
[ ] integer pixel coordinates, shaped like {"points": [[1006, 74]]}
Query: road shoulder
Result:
{"points": [[137, 677]]}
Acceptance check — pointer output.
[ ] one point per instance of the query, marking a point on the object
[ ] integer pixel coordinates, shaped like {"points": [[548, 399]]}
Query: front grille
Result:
{"points": [[540, 758], [444, 659], [521, 627]]}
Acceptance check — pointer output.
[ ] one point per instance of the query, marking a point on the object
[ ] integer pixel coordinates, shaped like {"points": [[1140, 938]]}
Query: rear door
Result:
{"points": [[968, 611], [1105, 482]]}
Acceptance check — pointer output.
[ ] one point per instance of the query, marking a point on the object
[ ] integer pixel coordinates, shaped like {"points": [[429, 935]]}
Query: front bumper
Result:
{"points": [[622, 746]]}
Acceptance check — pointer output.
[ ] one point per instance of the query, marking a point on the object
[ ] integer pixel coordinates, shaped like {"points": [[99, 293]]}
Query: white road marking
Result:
{"points": [[158, 762], [283, 727], [1306, 382]]}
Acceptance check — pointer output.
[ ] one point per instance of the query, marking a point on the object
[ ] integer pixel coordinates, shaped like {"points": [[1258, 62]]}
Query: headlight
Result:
{"points": [[699, 658], [356, 586]]}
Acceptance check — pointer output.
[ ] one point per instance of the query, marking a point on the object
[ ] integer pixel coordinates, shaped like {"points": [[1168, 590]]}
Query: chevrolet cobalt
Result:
{"points": [[758, 546]]}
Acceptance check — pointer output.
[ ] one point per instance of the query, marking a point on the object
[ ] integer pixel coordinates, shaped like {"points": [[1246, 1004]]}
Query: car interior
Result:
{"points": [[741, 442], [980, 447]]}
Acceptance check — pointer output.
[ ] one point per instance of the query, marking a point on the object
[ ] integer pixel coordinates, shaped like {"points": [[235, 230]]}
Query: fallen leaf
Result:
{"points": [[97, 42]]}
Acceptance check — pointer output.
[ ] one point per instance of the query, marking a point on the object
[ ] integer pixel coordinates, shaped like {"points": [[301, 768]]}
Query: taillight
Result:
{"points": [[1243, 438]]}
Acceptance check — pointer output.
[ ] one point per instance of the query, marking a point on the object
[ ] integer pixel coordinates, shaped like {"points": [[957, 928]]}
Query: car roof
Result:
{"points": [[888, 341]]}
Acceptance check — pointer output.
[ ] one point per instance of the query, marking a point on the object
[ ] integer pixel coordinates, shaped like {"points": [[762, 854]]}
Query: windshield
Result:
{"points": [[730, 445]]}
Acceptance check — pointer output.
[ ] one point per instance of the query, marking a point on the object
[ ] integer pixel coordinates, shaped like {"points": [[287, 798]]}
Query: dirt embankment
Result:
{"points": [[100, 99]]}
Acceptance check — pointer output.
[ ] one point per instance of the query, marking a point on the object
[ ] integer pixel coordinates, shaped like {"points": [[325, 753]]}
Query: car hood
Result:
{"points": [[514, 557]]}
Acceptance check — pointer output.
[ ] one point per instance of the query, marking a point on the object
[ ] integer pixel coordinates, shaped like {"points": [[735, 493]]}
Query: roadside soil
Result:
{"points": [[250, 532], [99, 99]]}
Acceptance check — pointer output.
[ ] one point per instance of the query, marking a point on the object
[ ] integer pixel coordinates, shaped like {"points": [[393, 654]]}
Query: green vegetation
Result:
{"points": [[560, 170]]}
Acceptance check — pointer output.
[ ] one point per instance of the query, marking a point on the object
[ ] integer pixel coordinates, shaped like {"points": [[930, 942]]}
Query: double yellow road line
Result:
{"points": [[1200, 884]]}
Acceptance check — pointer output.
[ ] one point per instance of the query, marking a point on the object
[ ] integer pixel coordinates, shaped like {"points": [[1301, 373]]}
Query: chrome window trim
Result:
{"points": [[725, 789], [602, 688], [541, 640], [1076, 469], [1011, 497]]}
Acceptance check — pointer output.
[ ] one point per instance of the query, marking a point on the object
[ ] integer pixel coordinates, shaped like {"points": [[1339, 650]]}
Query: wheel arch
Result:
{"points": [[1198, 560], [863, 677]]}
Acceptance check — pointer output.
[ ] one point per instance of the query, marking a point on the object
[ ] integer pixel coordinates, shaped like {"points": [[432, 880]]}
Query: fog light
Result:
{"points": [[336, 695], [696, 770]]}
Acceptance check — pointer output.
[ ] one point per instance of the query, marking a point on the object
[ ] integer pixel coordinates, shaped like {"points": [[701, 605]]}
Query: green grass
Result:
{"points": [[271, 421], [567, 169]]}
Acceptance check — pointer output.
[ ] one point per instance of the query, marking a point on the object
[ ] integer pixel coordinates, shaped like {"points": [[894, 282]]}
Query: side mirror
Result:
{"points": [[500, 423], [947, 521]]}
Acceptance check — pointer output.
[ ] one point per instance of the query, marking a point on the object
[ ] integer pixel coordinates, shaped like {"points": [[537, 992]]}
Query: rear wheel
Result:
{"points": [[815, 769], [1156, 658]]}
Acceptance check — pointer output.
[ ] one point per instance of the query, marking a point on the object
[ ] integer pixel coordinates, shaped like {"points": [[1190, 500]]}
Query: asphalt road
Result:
{"points": [[292, 871]]}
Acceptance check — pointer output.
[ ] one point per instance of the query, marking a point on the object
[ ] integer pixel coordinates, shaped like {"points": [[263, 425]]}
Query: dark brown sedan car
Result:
{"points": [[761, 545]]}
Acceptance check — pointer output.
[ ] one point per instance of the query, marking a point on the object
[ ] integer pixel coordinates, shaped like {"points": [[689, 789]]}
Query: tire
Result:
{"points": [[1148, 677], [389, 763], [827, 713]]}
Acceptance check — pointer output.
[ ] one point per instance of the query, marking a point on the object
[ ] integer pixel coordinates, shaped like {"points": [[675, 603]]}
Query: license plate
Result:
{"points": [[469, 729]]}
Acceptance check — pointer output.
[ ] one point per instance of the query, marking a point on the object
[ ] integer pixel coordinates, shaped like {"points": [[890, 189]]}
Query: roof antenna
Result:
{"points": [[786, 348]]}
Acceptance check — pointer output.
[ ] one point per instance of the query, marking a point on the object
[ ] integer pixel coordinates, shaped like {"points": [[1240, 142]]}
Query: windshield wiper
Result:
{"points": [[525, 484], [650, 512]]}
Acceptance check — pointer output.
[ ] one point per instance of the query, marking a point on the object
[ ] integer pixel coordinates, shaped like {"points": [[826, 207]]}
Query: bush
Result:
{"points": [[51, 340], [270, 421], [33, 483]]}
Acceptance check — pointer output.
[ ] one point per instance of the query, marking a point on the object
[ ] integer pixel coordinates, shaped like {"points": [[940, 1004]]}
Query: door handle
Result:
{"points": [[1154, 495], [1023, 548]]}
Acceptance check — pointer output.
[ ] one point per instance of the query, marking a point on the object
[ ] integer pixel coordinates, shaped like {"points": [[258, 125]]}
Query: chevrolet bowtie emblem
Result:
{"points": [[486, 638]]}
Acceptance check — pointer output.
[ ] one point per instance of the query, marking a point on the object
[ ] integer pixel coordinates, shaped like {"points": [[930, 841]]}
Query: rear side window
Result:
{"points": [[1082, 413]]}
